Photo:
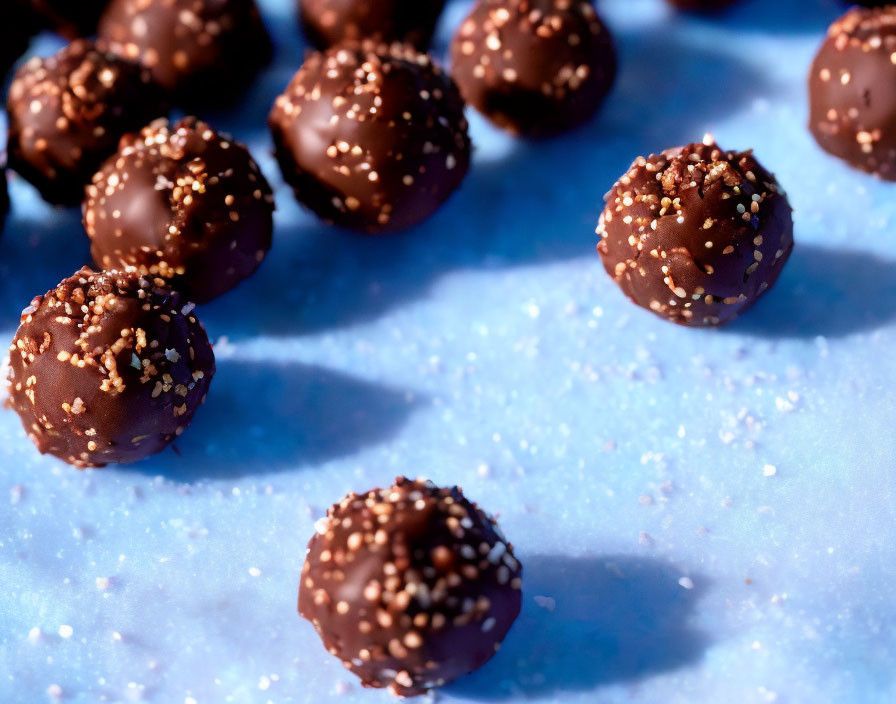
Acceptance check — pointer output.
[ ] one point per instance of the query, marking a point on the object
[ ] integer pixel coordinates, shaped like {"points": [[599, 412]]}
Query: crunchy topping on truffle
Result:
{"points": [[66, 113], [200, 51], [108, 367], [182, 202], [371, 137], [534, 67], [410, 586], [852, 90], [696, 234]]}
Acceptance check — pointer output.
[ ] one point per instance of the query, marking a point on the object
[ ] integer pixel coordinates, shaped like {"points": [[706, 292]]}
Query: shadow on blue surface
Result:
{"points": [[824, 291], [613, 620], [320, 415], [531, 203], [770, 17]]}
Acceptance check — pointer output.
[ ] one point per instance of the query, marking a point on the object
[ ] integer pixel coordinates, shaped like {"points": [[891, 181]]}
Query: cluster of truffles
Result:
{"points": [[371, 136], [67, 112], [108, 367], [184, 203], [329, 22], [410, 586], [199, 51], [852, 91], [534, 67], [696, 234]]}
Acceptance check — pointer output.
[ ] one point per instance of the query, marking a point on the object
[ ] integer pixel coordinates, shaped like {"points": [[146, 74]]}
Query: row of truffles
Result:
{"points": [[411, 586], [852, 91], [199, 52], [108, 367], [696, 234]]}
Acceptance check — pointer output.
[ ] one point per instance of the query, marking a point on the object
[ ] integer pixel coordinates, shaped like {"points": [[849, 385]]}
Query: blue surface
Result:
{"points": [[703, 516]]}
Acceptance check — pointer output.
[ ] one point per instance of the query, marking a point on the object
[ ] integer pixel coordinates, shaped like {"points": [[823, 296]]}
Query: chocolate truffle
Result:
{"points": [[534, 67], [71, 18], [67, 112], [182, 202], [852, 91], [410, 586], [696, 234], [203, 52], [371, 137], [108, 367], [328, 22]]}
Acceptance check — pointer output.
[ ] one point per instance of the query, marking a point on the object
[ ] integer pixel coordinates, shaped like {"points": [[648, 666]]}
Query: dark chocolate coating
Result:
{"points": [[203, 52], [534, 67], [181, 202], [67, 112], [852, 91], [328, 22], [410, 586], [696, 234], [71, 18], [371, 137], [108, 367]]}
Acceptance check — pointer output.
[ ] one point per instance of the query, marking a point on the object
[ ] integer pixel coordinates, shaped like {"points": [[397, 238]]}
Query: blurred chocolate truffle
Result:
{"points": [[67, 112], [410, 586], [182, 202], [534, 67], [108, 367], [328, 22], [852, 91], [203, 52], [696, 234], [71, 18], [371, 137]]}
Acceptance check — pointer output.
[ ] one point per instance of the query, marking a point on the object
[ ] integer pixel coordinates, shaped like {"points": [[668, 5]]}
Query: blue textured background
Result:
{"points": [[624, 456]]}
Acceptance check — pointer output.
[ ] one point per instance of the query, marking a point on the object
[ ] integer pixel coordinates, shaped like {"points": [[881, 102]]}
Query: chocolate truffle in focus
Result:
{"points": [[852, 91], [182, 202], [371, 137], [328, 22], [410, 586], [67, 112], [108, 367], [696, 234], [202, 52], [71, 18], [534, 67]]}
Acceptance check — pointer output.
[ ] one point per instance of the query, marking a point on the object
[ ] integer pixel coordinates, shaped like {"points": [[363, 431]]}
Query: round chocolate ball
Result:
{"points": [[328, 22], [696, 234], [108, 367], [371, 137], [852, 91], [203, 52], [71, 18], [534, 67], [410, 586], [184, 203], [67, 112]]}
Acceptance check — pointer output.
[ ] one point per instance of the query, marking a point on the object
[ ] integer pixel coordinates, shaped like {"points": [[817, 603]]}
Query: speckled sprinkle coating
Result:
{"points": [[696, 234], [182, 202], [371, 137], [852, 91], [200, 51], [108, 367], [328, 22], [410, 586], [67, 112], [534, 67]]}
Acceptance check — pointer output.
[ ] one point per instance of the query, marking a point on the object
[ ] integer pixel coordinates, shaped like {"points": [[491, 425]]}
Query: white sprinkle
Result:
{"points": [[686, 582], [103, 583], [254, 571], [34, 635], [546, 602], [264, 683], [769, 470], [54, 691], [66, 631]]}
